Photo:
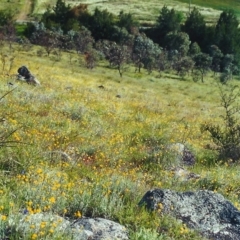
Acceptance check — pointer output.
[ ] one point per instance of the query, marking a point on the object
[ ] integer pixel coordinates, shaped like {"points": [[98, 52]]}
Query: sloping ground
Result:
{"points": [[110, 140], [146, 11], [21, 8], [25, 10]]}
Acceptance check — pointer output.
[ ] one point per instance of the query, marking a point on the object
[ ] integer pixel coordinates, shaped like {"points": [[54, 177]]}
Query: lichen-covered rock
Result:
{"points": [[180, 155], [25, 75], [81, 229], [207, 212], [183, 174], [100, 229]]}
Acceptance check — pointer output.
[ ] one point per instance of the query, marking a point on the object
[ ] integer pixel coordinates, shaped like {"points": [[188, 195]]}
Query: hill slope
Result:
{"points": [[147, 11], [110, 137]]}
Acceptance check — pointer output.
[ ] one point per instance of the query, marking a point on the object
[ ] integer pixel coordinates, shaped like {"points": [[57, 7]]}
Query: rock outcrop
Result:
{"points": [[180, 154], [25, 75], [183, 174], [205, 211], [80, 229], [99, 228]]}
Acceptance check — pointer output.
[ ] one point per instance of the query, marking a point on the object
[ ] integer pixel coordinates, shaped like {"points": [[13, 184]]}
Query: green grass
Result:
{"points": [[147, 11], [14, 5], [111, 143], [219, 4]]}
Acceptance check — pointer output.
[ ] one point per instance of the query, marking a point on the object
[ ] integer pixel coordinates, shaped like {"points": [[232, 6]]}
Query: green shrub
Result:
{"points": [[226, 136]]}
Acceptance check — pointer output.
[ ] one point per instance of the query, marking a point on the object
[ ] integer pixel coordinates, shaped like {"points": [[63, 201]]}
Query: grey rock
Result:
{"points": [[33, 80], [205, 211], [24, 222], [183, 174], [180, 154], [25, 75], [55, 156], [81, 229], [99, 229]]}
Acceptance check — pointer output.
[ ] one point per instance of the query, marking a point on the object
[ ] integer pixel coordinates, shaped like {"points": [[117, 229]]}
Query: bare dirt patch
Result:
{"points": [[24, 11]]}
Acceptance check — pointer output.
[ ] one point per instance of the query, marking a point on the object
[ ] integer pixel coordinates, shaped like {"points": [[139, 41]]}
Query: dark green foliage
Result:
{"points": [[61, 12], [122, 36], [145, 52], [178, 41], [194, 49], [102, 24], [183, 66], [183, 44], [168, 21], [60, 17], [195, 27], [227, 33], [228, 68], [203, 63], [126, 20], [217, 56], [227, 135], [6, 17]]}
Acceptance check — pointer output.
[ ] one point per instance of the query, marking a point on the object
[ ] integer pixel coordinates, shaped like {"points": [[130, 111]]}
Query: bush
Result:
{"points": [[227, 135]]}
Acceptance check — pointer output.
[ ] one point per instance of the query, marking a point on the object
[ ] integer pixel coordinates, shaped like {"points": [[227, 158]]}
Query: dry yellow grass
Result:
{"points": [[108, 139]]}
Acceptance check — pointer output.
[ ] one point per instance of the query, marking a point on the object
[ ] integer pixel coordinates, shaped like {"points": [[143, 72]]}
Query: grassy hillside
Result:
{"points": [[15, 5], [147, 11], [110, 144]]}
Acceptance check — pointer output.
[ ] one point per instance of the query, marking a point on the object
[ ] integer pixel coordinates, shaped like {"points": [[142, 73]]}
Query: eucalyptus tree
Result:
{"points": [[203, 63], [228, 68], [82, 40], [217, 57], [145, 52]]}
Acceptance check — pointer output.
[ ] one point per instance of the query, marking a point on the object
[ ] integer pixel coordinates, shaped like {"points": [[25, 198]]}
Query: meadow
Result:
{"points": [[75, 149], [147, 11]]}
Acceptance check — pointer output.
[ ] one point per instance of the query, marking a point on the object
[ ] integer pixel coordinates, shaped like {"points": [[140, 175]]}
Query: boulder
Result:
{"points": [[24, 223], [180, 154], [183, 174], [205, 211], [100, 228], [25, 75], [80, 229]]}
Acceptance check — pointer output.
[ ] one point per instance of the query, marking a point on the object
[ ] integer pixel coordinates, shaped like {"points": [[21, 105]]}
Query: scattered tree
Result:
{"points": [[195, 27], [48, 39], [126, 20], [194, 49], [227, 135], [82, 40], [91, 57], [6, 17], [179, 42], [168, 21], [202, 64], [217, 56], [145, 52], [227, 32], [101, 24]]}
